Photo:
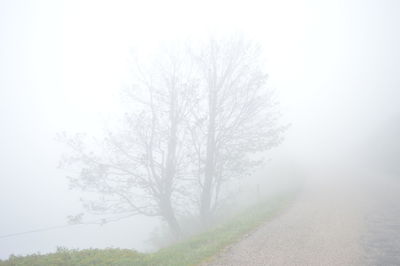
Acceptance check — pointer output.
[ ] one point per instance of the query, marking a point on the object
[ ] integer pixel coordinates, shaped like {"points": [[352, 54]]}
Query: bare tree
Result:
{"points": [[201, 115], [234, 120], [139, 168]]}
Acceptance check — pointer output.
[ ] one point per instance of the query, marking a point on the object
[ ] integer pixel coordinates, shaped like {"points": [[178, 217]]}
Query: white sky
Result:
{"points": [[335, 65]]}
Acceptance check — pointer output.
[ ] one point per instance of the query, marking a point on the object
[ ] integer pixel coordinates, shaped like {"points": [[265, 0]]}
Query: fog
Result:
{"points": [[334, 67]]}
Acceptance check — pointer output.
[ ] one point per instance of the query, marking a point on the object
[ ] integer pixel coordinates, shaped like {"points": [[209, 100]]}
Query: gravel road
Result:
{"points": [[323, 227], [381, 239]]}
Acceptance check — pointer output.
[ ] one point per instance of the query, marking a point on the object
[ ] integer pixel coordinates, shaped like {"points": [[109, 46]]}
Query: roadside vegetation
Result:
{"points": [[195, 250]]}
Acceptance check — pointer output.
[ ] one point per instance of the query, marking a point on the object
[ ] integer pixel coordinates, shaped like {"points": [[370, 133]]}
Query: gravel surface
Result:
{"points": [[323, 227], [381, 239]]}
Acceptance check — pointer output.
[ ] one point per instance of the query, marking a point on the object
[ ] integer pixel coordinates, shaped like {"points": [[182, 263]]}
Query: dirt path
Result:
{"points": [[323, 227]]}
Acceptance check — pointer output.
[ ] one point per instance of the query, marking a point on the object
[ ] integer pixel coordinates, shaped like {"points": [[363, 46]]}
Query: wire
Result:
{"points": [[35, 231], [98, 222]]}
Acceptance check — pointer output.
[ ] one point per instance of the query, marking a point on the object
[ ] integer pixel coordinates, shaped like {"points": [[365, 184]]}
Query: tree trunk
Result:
{"points": [[209, 171], [170, 169], [169, 216]]}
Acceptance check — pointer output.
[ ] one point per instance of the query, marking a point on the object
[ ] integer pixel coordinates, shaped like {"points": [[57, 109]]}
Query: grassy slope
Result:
{"points": [[192, 251]]}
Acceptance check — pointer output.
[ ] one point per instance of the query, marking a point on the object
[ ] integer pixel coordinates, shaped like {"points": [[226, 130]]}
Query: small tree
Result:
{"points": [[139, 168], [234, 121]]}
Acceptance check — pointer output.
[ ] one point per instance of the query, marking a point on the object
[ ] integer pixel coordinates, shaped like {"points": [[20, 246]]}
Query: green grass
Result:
{"points": [[66, 257], [192, 251]]}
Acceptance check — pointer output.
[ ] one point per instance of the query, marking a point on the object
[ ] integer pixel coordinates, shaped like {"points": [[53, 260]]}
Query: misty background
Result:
{"points": [[334, 65]]}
